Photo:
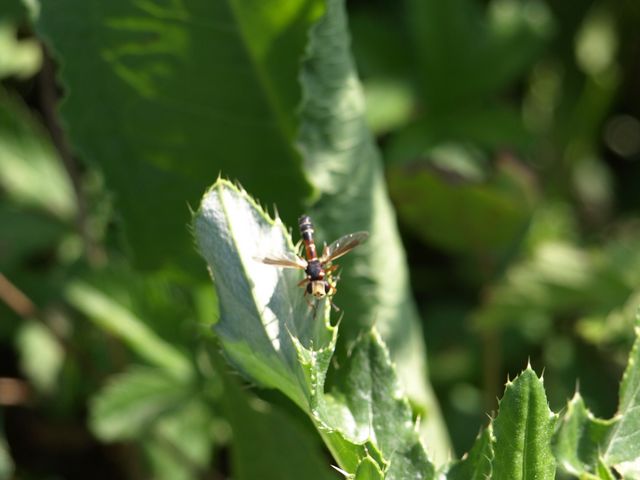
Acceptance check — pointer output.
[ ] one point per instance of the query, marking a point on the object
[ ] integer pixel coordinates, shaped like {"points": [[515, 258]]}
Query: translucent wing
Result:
{"points": [[284, 259], [343, 246]]}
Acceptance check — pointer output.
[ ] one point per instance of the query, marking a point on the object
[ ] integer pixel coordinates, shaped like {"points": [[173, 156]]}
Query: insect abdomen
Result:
{"points": [[306, 232]]}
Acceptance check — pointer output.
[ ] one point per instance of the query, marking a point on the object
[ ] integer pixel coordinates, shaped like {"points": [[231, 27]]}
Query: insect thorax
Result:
{"points": [[314, 270]]}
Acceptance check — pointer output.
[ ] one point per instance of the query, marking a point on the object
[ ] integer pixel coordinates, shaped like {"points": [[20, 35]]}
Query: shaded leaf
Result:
{"points": [[476, 464], [267, 443], [177, 89], [30, 233], [441, 208], [113, 317], [132, 402], [180, 445], [494, 128], [456, 41], [523, 430]]}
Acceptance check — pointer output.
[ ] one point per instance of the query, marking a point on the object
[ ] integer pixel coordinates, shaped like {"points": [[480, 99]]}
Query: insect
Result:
{"points": [[318, 270]]}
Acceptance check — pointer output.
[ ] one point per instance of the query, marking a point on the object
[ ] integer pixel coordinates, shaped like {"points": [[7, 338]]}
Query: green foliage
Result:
{"points": [[588, 445], [185, 95], [30, 171], [343, 163], [523, 430], [134, 400], [41, 354], [255, 453], [477, 464], [510, 137], [278, 340], [271, 333], [122, 322]]}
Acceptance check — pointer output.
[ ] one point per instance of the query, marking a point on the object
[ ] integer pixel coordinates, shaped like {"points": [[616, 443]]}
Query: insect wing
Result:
{"points": [[343, 246], [287, 260]]}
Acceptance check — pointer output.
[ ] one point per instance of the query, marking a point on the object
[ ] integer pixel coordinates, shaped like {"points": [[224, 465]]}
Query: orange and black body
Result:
{"points": [[317, 284], [318, 270]]}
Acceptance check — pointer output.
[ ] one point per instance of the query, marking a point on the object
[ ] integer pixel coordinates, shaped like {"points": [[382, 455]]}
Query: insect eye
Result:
{"points": [[326, 288], [309, 287]]}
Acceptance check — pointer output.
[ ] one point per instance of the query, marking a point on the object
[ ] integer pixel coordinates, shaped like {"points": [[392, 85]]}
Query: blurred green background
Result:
{"points": [[511, 139]]}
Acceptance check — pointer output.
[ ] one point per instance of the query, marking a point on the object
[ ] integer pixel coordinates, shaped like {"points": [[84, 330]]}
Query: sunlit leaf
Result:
{"points": [[342, 161], [579, 436], [41, 355], [30, 171], [20, 58], [277, 339], [262, 310], [523, 430]]}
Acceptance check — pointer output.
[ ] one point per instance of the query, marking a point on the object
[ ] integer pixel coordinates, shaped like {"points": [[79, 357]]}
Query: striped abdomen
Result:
{"points": [[306, 232]]}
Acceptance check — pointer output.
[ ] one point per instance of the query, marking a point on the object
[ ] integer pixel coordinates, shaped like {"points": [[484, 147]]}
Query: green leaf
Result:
{"points": [[579, 438], [441, 206], [177, 90], [523, 430], [270, 332], [118, 320], [30, 171], [20, 58], [133, 401], [262, 310], [368, 469], [373, 404], [255, 426], [343, 163], [180, 445], [585, 445], [159, 411], [475, 465], [41, 355], [623, 442], [604, 473]]}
